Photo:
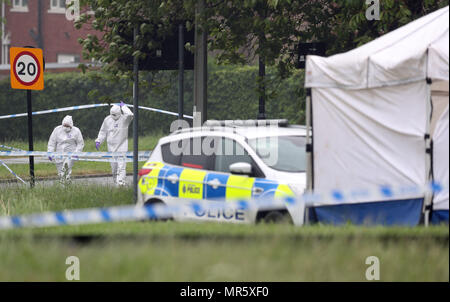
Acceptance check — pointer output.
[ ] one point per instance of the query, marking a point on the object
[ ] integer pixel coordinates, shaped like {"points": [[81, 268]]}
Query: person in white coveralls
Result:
{"points": [[115, 131], [65, 138]]}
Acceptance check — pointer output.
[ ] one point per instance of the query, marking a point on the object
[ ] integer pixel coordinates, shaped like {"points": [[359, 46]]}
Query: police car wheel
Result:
{"points": [[154, 202], [279, 216]]}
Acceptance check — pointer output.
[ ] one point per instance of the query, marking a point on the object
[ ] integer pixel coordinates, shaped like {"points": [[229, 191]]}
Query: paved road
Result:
{"points": [[23, 160]]}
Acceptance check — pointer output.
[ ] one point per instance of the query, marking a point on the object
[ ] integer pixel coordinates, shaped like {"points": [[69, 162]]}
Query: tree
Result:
{"points": [[347, 27], [114, 21], [240, 30]]}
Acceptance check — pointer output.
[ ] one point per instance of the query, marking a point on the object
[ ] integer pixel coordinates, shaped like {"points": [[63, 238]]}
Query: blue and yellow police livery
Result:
{"points": [[225, 164]]}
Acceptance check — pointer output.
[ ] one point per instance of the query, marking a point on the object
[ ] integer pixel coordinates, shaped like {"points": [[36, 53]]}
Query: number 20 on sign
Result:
{"points": [[27, 68]]}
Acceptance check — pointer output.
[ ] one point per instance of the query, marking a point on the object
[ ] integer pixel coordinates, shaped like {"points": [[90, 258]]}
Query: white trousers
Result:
{"points": [[119, 172], [64, 169]]}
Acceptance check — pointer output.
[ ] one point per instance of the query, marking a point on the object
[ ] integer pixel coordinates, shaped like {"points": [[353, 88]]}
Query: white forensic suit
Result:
{"points": [[65, 138], [115, 131]]}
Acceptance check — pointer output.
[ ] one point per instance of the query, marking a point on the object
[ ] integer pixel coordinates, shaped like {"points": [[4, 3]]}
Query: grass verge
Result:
{"points": [[172, 251]]}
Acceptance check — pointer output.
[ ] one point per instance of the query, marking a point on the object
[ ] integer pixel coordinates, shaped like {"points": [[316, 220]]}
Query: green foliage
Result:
{"points": [[242, 30], [115, 21], [61, 90], [230, 89], [239, 31], [343, 24]]}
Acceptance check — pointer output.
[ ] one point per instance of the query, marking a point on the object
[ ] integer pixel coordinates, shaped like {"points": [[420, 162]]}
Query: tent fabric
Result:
{"points": [[439, 217], [369, 138], [440, 100], [409, 54], [399, 213], [371, 108], [441, 162]]}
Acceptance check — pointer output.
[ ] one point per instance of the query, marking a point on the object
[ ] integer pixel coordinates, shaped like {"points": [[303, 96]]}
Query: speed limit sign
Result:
{"points": [[27, 68]]}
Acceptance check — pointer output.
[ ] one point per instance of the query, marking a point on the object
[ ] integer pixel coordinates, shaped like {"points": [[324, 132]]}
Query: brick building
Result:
{"points": [[43, 24]]}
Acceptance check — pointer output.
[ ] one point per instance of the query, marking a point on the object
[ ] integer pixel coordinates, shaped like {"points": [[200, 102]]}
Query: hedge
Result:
{"points": [[232, 94]]}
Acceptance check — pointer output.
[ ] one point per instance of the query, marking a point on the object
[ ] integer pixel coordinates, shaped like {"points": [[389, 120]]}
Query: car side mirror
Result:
{"points": [[241, 168]]}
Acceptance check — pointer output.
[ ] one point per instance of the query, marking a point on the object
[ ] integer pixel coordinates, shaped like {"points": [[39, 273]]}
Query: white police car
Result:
{"points": [[226, 161]]}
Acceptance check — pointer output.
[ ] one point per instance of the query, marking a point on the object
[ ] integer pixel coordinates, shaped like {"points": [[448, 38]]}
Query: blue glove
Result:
{"points": [[122, 104], [75, 157], [50, 158], [97, 145]]}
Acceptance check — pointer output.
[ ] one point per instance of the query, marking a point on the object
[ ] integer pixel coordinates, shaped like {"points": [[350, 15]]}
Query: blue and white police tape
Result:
{"points": [[54, 110], [103, 156], [78, 107], [126, 213], [11, 171], [102, 160], [379, 193], [160, 211], [10, 148], [164, 111], [142, 157]]}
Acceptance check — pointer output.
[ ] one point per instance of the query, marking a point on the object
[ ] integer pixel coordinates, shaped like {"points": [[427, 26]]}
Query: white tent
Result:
{"points": [[441, 167], [371, 108]]}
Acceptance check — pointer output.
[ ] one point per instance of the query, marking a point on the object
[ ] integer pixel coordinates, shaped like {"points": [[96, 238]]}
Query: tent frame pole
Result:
{"points": [[309, 182], [428, 198], [309, 149]]}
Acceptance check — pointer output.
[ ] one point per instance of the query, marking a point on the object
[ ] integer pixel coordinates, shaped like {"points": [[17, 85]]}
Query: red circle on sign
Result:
{"points": [[38, 68]]}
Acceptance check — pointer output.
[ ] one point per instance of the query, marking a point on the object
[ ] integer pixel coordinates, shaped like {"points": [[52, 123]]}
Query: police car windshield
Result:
{"points": [[282, 153]]}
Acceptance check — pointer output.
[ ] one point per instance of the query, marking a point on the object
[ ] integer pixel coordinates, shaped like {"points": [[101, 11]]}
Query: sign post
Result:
{"points": [[27, 73], [180, 72], [30, 136], [136, 115]]}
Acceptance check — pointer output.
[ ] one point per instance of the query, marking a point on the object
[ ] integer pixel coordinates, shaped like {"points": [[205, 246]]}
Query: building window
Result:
{"points": [[57, 6], [5, 54], [6, 44], [68, 58], [19, 6]]}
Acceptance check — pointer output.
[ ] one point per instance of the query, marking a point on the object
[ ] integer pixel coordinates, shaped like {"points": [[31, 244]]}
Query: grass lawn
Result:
{"points": [[80, 168], [173, 251], [171, 257]]}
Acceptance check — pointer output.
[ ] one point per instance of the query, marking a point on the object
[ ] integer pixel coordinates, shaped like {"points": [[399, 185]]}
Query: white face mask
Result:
{"points": [[115, 116], [67, 129]]}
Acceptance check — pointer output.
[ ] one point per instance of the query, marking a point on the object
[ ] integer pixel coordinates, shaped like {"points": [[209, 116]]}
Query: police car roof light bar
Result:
{"points": [[212, 125], [247, 123]]}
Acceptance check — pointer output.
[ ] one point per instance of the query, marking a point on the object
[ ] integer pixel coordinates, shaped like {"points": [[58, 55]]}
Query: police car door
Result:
{"points": [[221, 185], [195, 164]]}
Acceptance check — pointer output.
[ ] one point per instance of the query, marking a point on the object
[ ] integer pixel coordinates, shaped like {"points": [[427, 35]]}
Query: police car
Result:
{"points": [[228, 161]]}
